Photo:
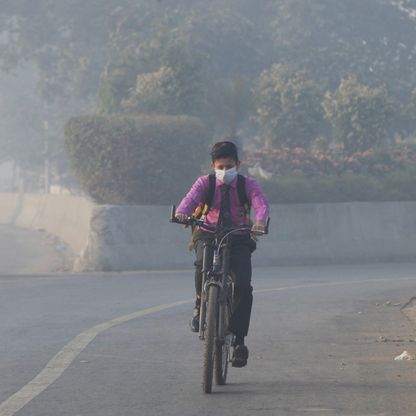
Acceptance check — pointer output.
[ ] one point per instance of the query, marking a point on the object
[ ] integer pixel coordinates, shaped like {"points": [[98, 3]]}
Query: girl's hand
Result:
{"points": [[181, 217], [259, 228]]}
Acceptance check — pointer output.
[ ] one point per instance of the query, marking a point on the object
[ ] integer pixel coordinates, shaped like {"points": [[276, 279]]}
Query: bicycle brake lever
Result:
{"points": [[172, 214], [266, 229]]}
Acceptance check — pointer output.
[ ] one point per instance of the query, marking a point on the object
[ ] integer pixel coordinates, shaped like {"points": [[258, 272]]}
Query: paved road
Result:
{"points": [[322, 342]]}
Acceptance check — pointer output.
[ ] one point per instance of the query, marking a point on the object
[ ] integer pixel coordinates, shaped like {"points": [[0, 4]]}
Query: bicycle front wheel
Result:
{"points": [[223, 344], [210, 335]]}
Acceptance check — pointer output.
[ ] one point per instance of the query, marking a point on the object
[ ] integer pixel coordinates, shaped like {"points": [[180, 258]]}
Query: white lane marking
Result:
{"points": [[60, 276], [63, 359], [329, 284]]}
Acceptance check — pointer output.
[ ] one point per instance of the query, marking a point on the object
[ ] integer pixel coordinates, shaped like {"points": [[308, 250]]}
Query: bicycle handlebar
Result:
{"points": [[198, 222]]}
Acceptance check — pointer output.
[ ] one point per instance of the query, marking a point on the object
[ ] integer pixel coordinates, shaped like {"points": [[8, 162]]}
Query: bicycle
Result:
{"points": [[216, 300]]}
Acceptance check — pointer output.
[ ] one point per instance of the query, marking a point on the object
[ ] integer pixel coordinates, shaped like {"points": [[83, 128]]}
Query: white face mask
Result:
{"points": [[226, 176]]}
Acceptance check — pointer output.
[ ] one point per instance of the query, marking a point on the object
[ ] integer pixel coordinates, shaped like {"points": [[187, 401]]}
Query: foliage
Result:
{"points": [[292, 189], [288, 107], [330, 39], [65, 40], [334, 39], [174, 88], [30, 132], [330, 161], [182, 58], [230, 105], [136, 160], [329, 175], [359, 116], [241, 68]]}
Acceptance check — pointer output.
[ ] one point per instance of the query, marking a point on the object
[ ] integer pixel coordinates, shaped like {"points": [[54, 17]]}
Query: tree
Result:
{"points": [[374, 40], [65, 40], [203, 58], [288, 107], [62, 52], [174, 88], [186, 58], [30, 132], [73, 41], [359, 115]]}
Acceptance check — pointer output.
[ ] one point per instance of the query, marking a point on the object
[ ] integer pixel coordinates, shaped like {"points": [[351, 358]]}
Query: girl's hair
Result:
{"points": [[224, 150]]}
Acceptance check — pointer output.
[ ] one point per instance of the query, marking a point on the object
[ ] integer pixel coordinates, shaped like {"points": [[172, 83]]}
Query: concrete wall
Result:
{"points": [[132, 237], [8, 207], [142, 238], [67, 217], [341, 233]]}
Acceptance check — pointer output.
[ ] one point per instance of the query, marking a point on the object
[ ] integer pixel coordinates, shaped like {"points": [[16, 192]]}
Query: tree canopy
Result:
{"points": [[220, 61], [73, 42]]}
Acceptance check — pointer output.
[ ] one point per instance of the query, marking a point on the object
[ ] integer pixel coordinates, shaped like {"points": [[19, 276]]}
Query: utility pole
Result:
{"points": [[47, 168]]}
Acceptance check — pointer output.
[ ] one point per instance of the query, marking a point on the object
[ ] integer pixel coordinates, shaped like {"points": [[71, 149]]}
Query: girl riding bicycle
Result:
{"points": [[230, 197]]}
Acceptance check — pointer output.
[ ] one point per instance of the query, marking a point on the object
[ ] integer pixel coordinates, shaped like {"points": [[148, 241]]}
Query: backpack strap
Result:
{"points": [[211, 191], [241, 189], [242, 196]]}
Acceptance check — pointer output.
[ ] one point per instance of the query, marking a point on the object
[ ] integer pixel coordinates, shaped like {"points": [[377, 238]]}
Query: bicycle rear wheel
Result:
{"points": [[210, 335]]}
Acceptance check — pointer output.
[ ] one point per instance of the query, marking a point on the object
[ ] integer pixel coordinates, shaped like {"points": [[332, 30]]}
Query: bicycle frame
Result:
{"points": [[215, 271], [216, 310]]}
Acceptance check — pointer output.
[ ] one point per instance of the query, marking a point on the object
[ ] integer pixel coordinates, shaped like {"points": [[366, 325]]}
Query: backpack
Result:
{"points": [[201, 211]]}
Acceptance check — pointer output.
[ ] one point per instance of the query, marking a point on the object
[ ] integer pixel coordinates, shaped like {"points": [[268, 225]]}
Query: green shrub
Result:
{"points": [[149, 159], [394, 186]]}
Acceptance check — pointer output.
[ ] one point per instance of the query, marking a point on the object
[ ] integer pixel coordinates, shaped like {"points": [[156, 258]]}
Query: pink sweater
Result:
{"points": [[199, 191]]}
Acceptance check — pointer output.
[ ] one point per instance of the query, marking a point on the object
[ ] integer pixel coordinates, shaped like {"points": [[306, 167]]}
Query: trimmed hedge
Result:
{"points": [[394, 186], [146, 160]]}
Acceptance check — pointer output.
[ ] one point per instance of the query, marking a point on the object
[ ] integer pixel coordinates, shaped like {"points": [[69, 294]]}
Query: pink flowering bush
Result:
{"points": [[332, 161], [300, 176]]}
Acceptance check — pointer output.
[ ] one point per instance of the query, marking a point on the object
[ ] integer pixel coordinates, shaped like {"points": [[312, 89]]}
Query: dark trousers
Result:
{"points": [[240, 266]]}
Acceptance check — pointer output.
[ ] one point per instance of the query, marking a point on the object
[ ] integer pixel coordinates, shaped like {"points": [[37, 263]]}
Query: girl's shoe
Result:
{"points": [[240, 356], [194, 323]]}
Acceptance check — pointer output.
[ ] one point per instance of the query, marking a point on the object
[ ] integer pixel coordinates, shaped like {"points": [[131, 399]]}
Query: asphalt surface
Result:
{"points": [[322, 342]]}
